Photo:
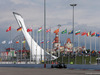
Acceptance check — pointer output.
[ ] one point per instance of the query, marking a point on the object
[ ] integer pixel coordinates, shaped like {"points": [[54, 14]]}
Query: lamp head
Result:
{"points": [[73, 4]]}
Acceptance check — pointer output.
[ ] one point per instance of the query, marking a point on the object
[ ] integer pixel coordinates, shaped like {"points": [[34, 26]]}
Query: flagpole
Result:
{"points": [[78, 41], [10, 43], [50, 47], [99, 49], [64, 42], [95, 43], [46, 42], [31, 47], [99, 43], [21, 49], [90, 49], [36, 47], [85, 41], [82, 57], [78, 47], [41, 45]]}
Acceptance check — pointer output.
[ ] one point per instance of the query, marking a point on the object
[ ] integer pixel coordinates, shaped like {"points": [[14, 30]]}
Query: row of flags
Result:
{"points": [[79, 32], [4, 42], [57, 30], [43, 41], [28, 30], [10, 42], [88, 33], [65, 31]]}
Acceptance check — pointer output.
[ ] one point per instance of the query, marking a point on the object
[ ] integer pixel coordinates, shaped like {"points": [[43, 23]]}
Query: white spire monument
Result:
{"points": [[34, 45]]}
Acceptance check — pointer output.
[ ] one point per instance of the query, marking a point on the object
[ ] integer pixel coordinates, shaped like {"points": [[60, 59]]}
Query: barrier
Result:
{"points": [[69, 66], [75, 66]]}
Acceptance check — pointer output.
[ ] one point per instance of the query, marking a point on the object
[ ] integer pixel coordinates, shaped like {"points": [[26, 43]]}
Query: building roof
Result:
{"points": [[68, 40], [9, 49], [24, 50]]}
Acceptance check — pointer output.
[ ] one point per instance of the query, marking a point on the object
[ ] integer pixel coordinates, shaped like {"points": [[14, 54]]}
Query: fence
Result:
{"points": [[39, 59]]}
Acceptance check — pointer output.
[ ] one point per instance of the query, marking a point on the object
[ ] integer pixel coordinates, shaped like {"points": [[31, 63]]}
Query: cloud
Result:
{"points": [[57, 12]]}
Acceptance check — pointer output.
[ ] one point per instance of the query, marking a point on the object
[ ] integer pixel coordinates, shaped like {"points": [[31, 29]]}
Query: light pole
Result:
{"points": [[59, 41], [73, 24], [73, 29], [44, 32]]}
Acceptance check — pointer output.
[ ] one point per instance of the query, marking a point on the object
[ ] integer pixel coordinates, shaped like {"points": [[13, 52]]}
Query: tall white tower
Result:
{"points": [[30, 40]]}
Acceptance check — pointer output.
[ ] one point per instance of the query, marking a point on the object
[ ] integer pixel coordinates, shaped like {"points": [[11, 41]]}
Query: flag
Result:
{"points": [[42, 41], [85, 51], [89, 33], [9, 29], [93, 34], [97, 34], [82, 52], [17, 41], [65, 31], [29, 30], [10, 42], [93, 51], [24, 41], [19, 29], [56, 31], [40, 29], [47, 41], [77, 32], [70, 32], [3, 42], [83, 33], [48, 30]]}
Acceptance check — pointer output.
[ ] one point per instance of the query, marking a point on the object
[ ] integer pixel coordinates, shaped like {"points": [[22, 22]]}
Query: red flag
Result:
{"points": [[93, 34], [48, 30], [17, 41], [29, 30], [89, 33], [8, 29], [53, 42], [83, 33], [56, 31]]}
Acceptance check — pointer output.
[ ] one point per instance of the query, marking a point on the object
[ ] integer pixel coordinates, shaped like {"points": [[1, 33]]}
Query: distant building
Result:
{"points": [[80, 49], [68, 46], [11, 52], [9, 49], [61, 49], [56, 43]]}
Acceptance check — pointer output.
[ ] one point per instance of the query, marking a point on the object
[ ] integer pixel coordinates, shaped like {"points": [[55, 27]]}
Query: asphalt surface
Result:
{"points": [[42, 71]]}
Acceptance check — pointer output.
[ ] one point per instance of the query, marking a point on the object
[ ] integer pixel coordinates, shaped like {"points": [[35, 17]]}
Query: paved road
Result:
{"points": [[40, 71]]}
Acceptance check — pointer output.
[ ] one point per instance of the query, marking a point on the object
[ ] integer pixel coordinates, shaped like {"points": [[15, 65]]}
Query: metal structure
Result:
{"points": [[30, 40], [73, 5]]}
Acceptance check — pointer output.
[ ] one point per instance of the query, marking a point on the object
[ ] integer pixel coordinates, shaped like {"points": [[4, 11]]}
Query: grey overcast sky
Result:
{"points": [[58, 12], [87, 14]]}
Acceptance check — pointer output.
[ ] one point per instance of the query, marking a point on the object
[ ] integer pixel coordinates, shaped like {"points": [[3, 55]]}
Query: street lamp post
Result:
{"points": [[59, 41], [73, 24], [44, 31], [73, 28]]}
